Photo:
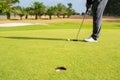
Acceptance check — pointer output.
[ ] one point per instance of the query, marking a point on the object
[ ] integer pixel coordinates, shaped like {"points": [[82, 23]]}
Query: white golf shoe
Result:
{"points": [[90, 39]]}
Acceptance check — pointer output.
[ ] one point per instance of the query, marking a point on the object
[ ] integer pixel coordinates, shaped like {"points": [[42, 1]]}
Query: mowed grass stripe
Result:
{"points": [[61, 25]]}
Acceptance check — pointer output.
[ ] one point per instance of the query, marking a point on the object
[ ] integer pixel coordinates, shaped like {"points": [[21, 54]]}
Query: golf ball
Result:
{"points": [[68, 39]]}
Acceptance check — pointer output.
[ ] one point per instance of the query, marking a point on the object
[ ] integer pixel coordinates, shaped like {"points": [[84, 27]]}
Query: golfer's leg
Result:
{"points": [[98, 9]]}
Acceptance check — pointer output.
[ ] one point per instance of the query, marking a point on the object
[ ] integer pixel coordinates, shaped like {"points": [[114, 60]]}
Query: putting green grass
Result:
{"points": [[33, 52]]}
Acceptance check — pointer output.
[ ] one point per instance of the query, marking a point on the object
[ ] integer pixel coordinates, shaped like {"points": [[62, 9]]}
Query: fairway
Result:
{"points": [[33, 52]]}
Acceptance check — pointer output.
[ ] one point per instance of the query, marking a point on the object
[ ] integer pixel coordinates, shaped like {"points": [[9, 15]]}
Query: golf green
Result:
{"points": [[33, 52]]}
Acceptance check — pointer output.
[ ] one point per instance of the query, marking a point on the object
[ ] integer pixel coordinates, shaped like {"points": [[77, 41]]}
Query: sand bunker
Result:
{"points": [[19, 24]]}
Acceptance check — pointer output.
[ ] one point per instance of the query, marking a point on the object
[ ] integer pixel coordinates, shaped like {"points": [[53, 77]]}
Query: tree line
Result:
{"points": [[113, 8], [38, 9]]}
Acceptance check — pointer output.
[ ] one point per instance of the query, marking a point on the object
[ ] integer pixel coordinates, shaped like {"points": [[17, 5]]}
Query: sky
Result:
{"points": [[78, 5]]}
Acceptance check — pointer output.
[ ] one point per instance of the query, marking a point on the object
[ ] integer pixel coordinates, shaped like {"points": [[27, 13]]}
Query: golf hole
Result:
{"points": [[60, 69]]}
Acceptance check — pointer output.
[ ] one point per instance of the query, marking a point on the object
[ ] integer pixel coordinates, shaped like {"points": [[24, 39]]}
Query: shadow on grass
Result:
{"points": [[37, 38]]}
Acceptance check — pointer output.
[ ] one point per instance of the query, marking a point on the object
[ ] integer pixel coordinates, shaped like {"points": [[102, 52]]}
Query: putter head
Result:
{"points": [[75, 40]]}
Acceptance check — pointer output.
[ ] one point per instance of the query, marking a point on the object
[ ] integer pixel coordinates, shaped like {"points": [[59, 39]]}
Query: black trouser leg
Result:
{"points": [[98, 9]]}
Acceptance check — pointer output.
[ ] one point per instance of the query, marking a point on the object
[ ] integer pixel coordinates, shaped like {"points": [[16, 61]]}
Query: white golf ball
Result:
{"points": [[68, 39]]}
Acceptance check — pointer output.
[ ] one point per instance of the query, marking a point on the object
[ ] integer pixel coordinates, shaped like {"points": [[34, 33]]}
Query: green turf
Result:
{"points": [[33, 53]]}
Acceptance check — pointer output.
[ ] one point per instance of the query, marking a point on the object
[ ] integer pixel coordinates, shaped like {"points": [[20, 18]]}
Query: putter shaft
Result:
{"points": [[81, 25]]}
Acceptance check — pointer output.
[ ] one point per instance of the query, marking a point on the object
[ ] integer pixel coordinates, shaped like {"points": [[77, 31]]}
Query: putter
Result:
{"points": [[76, 39]]}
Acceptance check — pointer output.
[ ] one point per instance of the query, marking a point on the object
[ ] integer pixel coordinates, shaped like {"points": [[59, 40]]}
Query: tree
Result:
{"points": [[28, 10], [39, 9], [51, 11], [3, 7], [14, 10], [61, 10], [42, 10], [6, 6], [69, 5], [64, 11], [21, 12], [70, 11], [0, 7], [18, 10], [10, 4]]}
